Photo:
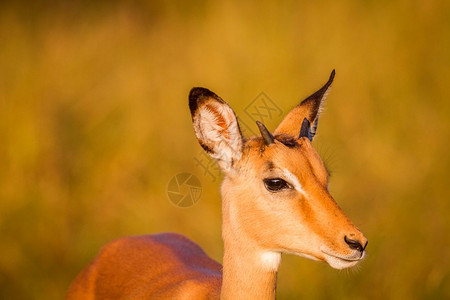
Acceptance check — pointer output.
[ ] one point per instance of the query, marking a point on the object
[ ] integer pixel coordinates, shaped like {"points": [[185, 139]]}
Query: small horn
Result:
{"points": [[305, 130], [267, 137]]}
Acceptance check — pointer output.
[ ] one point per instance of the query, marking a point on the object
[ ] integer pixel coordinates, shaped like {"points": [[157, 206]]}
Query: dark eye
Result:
{"points": [[275, 184]]}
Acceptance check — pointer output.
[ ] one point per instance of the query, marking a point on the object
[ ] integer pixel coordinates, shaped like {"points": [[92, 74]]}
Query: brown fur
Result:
{"points": [[168, 265], [258, 224]]}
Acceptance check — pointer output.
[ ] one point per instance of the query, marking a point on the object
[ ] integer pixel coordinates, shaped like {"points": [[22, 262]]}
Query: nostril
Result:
{"points": [[353, 244]]}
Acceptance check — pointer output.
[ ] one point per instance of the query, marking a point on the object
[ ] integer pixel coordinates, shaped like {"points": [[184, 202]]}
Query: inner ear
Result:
{"points": [[215, 126]]}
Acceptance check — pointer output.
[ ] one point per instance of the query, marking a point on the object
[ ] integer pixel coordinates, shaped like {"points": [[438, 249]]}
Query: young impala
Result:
{"points": [[275, 200]]}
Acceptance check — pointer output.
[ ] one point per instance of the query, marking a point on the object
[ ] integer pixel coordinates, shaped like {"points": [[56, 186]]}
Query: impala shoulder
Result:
{"points": [[145, 241], [190, 288]]}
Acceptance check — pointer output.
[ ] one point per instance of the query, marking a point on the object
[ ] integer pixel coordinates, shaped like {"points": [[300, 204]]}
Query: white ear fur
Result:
{"points": [[218, 132]]}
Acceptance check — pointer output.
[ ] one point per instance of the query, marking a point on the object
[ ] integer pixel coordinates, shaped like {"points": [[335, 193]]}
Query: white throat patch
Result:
{"points": [[271, 260]]}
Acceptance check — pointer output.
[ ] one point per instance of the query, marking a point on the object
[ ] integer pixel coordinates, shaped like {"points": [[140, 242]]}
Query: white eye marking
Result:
{"points": [[294, 181]]}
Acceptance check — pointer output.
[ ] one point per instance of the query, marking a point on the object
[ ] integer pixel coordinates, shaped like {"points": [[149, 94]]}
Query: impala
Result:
{"points": [[275, 200]]}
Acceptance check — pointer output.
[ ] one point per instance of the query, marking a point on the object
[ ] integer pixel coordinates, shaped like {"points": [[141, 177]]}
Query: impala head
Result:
{"points": [[275, 189]]}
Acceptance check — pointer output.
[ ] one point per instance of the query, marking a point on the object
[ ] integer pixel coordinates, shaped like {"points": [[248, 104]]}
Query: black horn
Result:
{"points": [[267, 137], [305, 131]]}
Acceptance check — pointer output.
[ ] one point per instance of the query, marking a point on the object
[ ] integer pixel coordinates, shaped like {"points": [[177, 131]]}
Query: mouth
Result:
{"points": [[342, 261]]}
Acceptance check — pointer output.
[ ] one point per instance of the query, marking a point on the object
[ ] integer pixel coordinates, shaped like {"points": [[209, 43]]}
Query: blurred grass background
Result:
{"points": [[94, 123]]}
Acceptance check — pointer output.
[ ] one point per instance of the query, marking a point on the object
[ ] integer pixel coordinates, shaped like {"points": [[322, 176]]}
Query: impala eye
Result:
{"points": [[276, 184]]}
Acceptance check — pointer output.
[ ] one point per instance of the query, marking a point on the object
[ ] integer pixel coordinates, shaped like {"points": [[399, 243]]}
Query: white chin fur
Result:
{"points": [[334, 262], [338, 263]]}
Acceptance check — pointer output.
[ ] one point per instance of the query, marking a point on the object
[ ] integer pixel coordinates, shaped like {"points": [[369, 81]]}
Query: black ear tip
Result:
{"points": [[198, 91], [194, 94], [330, 80], [197, 95]]}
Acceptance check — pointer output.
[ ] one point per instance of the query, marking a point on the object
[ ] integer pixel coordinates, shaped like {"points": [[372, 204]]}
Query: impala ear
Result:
{"points": [[309, 108], [216, 127]]}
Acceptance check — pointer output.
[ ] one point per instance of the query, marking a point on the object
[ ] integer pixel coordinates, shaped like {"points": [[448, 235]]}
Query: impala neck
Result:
{"points": [[249, 272]]}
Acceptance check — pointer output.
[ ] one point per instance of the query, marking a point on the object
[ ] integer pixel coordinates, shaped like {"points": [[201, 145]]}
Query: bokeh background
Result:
{"points": [[94, 123]]}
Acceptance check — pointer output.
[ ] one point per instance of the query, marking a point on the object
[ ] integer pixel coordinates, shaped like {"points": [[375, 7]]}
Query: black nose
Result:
{"points": [[353, 244]]}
